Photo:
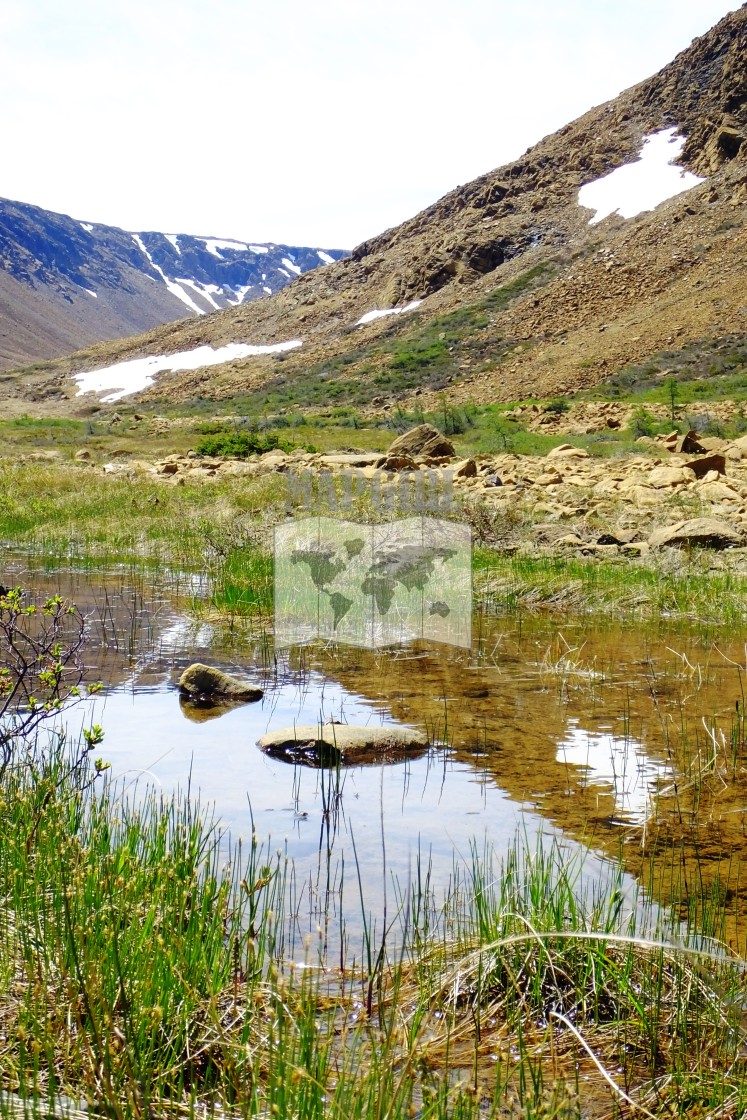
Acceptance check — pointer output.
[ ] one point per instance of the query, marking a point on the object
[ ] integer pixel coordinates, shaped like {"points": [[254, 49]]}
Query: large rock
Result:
{"points": [[662, 477], [689, 444], [331, 744], [703, 532], [701, 467], [206, 681], [566, 451], [423, 442]]}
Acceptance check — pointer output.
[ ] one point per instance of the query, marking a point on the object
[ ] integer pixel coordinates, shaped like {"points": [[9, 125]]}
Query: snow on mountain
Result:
{"points": [[642, 185], [65, 284]]}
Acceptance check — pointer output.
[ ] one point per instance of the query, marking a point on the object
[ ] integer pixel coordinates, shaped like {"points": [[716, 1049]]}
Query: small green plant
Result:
{"points": [[672, 390], [40, 666], [643, 423]]}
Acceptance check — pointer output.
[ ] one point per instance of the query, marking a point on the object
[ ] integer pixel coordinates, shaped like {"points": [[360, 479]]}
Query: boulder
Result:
{"points": [[714, 491], [333, 744], [347, 460], [83, 456], [467, 468], [206, 681], [703, 532], [425, 442], [566, 451], [701, 467], [397, 463], [662, 477], [689, 444]]}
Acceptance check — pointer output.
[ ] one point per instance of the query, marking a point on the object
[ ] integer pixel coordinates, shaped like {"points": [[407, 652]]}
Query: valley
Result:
{"points": [[524, 896]]}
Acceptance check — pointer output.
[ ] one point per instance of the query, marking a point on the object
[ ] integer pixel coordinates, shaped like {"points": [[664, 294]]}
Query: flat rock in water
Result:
{"points": [[205, 681], [333, 743], [705, 532]]}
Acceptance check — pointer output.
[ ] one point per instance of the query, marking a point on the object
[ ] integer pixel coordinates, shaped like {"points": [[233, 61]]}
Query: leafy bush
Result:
{"points": [[239, 445], [643, 423]]}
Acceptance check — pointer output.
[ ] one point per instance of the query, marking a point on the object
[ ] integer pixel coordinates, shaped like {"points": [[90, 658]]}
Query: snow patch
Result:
{"points": [[287, 275], [174, 239], [94, 294], [293, 267], [214, 245], [268, 290], [88, 228], [173, 287], [371, 315], [636, 187], [139, 373], [325, 257], [205, 290], [257, 248], [240, 294]]}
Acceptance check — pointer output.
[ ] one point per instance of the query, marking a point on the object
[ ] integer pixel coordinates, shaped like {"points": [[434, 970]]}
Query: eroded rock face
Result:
{"points": [[423, 442], [703, 532], [701, 467], [205, 681], [334, 744]]}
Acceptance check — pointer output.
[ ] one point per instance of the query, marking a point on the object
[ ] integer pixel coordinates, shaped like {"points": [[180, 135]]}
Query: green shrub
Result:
{"points": [[240, 444]]}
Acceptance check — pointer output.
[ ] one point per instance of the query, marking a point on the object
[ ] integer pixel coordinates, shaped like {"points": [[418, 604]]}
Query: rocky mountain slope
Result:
{"points": [[507, 287], [65, 283]]}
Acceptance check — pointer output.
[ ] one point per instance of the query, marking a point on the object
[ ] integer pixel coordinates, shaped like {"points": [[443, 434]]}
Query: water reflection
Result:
{"points": [[593, 734], [619, 764]]}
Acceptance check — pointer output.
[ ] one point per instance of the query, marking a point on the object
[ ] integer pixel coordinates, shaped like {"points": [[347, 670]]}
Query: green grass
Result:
{"points": [[222, 528], [689, 591], [142, 973]]}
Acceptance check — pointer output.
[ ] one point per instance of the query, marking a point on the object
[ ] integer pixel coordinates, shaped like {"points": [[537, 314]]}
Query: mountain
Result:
{"points": [[514, 285], [65, 283]]}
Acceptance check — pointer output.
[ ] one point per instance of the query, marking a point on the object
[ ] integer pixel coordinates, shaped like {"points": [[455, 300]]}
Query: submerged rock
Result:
{"points": [[331, 744], [206, 681]]}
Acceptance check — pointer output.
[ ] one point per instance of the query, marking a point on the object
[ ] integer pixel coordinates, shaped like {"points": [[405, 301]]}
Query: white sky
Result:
{"points": [[308, 123]]}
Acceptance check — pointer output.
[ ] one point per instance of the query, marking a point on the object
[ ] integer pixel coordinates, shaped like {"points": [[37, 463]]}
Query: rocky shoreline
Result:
{"points": [[678, 491]]}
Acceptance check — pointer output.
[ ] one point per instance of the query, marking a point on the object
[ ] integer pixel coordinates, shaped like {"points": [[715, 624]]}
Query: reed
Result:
{"points": [[146, 969]]}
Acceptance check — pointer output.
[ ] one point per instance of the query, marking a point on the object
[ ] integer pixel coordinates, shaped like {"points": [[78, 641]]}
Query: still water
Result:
{"points": [[616, 739]]}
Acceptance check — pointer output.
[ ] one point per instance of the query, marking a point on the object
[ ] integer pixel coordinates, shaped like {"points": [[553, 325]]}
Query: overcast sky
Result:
{"points": [[317, 123]]}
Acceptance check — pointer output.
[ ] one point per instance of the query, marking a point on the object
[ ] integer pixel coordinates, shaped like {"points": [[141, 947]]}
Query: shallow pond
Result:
{"points": [[626, 739]]}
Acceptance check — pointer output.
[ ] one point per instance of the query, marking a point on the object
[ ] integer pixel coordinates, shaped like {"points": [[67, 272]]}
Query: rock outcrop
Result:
{"points": [[701, 532], [423, 442]]}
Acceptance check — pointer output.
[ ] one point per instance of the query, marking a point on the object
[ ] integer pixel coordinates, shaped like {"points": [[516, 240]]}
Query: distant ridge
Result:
{"points": [[65, 283], [507, 288]]}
